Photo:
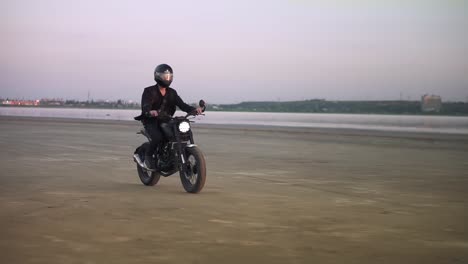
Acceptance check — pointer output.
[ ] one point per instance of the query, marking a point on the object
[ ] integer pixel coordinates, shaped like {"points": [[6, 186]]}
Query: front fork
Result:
{"points": [[181, 153]]}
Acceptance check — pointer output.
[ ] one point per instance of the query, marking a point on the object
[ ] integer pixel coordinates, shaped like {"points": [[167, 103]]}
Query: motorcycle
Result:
{"points": [[177, 153]]}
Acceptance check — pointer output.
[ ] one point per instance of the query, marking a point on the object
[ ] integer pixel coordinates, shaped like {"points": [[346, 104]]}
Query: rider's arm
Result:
{"points": [[183, 106], [146, 102]]}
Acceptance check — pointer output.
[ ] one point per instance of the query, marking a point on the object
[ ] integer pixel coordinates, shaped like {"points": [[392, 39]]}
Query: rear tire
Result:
{"points": [[193, 175], [148, 178]]}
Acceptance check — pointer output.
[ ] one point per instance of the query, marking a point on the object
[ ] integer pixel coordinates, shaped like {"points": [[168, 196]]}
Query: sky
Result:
{"points": [[234, 51]]}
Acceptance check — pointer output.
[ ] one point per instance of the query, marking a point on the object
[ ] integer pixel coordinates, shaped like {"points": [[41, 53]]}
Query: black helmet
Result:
{"points": [[163, 75]]}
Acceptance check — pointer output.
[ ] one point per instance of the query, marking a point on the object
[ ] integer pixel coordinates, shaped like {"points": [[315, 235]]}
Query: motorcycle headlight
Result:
{"points": [[184, 127]]}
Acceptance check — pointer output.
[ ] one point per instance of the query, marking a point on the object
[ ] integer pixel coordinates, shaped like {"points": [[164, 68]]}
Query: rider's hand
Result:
{"points": [[153, 113], [199, 110]]}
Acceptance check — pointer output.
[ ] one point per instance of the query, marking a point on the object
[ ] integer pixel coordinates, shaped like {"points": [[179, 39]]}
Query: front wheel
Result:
{"points": [[193, 173], [147, 177]]}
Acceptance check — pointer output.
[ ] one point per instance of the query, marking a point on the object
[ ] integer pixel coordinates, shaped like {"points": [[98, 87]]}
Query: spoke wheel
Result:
{"points": [[147, 177], [193, 175]]}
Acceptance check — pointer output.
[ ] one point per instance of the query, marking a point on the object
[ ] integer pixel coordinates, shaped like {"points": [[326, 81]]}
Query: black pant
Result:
{"points": [[154, 131], [157, 130]]}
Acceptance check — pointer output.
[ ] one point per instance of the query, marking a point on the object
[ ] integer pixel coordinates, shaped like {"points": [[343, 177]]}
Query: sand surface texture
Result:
{"points": [[69, 193]]}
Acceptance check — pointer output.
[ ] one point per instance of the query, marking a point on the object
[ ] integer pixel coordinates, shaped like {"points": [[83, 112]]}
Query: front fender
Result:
{"points": [[182, 154]]}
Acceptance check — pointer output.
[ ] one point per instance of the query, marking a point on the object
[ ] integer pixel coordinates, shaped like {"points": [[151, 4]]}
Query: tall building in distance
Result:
{"points": [[431, 103]]}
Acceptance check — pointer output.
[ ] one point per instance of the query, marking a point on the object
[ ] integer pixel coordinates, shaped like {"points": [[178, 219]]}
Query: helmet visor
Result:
{"points": [[165, 76]]}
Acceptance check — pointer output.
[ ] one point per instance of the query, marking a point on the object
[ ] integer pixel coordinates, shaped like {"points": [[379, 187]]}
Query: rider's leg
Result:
{"points": [[166, 128], [152, 128]]}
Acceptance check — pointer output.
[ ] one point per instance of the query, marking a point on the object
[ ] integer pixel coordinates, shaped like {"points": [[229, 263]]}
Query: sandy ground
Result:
{"points": [[69, 193]]}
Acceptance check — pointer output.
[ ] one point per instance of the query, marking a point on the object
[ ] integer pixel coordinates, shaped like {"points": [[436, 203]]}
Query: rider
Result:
{"points": [[158, 104]]}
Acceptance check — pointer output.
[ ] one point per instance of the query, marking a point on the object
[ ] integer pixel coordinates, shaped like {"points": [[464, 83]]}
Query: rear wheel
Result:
{"points": [[193, 174], [147, 177]]}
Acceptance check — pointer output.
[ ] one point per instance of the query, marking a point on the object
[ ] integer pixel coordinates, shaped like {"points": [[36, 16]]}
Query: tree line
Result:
{"points": [[351, 107]]}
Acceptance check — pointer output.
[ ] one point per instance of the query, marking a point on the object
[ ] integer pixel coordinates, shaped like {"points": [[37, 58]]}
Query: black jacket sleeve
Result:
{"points": [[146, 102], [183, 106]]}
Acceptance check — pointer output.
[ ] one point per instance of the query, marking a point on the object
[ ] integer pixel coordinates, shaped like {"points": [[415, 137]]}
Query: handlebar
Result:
{"points": [[193, 113]]}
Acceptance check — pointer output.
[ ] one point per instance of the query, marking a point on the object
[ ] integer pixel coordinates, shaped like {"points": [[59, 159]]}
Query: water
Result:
{"points": [[407, 123]]}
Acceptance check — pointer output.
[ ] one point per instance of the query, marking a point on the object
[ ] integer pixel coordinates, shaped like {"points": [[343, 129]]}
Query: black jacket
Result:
{"points": [[152, 99]]}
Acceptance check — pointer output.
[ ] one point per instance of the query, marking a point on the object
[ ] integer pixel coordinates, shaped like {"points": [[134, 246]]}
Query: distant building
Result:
{"points": [[52, 102], [431, 103], [21, 102]]}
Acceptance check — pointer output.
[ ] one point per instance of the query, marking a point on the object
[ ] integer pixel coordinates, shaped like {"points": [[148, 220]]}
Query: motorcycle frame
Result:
{"points": [[181, 157]]}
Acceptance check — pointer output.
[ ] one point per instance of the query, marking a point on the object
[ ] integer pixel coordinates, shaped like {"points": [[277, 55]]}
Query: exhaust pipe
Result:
{"points": [[137, 159]]}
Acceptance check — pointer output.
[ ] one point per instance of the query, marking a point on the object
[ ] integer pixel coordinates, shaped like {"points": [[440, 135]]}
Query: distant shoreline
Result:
{"points": [[211, 109], [234, 128]]}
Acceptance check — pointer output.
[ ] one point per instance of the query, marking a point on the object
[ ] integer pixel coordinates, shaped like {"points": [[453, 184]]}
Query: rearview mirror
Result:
{"points": [[202, 104]]}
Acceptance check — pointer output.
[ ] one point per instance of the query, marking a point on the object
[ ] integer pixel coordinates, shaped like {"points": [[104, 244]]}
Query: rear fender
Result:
{"points": [[137, 150], [144, 145]]}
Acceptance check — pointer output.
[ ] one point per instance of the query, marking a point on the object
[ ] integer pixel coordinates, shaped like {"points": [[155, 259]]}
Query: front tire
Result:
{"points": [[148, 178], [193, 173]]}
